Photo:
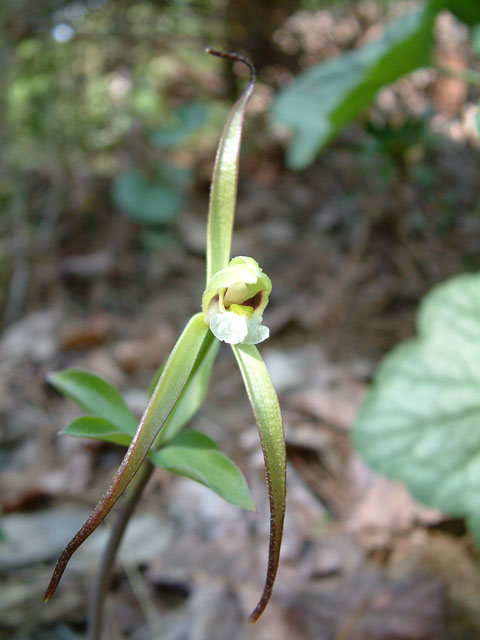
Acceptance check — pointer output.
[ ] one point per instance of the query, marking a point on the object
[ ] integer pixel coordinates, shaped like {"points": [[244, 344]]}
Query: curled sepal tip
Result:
{"points": [[169, 387], [223, 191], [266, 409]]}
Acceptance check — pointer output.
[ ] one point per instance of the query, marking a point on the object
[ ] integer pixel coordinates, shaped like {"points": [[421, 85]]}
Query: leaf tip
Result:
{"points": [[260, 608], [52, 587]]}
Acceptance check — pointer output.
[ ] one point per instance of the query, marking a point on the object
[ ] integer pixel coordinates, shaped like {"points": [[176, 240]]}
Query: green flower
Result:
{"points": [[234, 301]]}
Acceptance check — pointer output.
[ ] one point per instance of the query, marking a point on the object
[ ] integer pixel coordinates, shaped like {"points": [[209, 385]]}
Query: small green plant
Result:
{"points": [[235, 297]]}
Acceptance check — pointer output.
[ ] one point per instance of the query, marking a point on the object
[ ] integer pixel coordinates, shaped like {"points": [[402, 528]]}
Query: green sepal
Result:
{"points": [[193, 394], [266, 409], [223, 192], [196, 456]]}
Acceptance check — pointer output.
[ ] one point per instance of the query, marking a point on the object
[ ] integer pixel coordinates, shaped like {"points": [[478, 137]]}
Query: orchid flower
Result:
{"points": [[233, 303]]}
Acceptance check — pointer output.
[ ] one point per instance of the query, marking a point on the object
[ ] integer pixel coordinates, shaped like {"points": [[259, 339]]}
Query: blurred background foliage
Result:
{"points": [[90, 91], [111, 113]]}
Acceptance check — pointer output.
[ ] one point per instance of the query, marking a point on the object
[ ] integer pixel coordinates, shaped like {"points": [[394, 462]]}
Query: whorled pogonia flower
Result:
{"points": [[234, 301]]}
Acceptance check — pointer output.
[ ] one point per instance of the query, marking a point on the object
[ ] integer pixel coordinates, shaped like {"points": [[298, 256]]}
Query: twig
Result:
{"points": [[104, 576]]}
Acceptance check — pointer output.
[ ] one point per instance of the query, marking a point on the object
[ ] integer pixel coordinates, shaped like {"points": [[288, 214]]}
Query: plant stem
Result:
{"points": [[104, 575], [470, 76]]}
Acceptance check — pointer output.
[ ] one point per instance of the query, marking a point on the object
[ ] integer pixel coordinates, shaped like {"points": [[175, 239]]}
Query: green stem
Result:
{"points": [[104, 576], [468, 75]]}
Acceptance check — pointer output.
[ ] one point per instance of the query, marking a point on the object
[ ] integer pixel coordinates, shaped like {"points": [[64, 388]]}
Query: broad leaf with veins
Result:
{"points": [[420, 423]]}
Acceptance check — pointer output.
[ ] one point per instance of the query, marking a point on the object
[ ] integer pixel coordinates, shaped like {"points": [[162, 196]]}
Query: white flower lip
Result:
{"points": [[234, 301], [237, 329]]}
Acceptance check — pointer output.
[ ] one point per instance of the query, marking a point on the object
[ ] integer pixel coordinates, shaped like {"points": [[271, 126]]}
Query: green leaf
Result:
{"points": [[325, 98], [264, 401], [190, 118], [189, 402], [223, 192], [97, 429], [95, 395], [420, 422], [147, 201], [194, 455], [169, 387]]}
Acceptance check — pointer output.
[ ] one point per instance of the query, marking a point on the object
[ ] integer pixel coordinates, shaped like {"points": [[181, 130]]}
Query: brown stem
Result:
{"points": [[236, 57], [104, 575]]}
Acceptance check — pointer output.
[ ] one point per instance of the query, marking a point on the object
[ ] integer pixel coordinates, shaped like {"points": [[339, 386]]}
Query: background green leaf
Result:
{"points": [[190, 118], [100, 428], [175, 375], [467, 11], [421, 421], [194, 455], [323, 99], [97, 396], [156, 200]]}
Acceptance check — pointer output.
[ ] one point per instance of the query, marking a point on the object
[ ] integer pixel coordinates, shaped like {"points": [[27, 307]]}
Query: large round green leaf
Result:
{"points": [[421, 420]]}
